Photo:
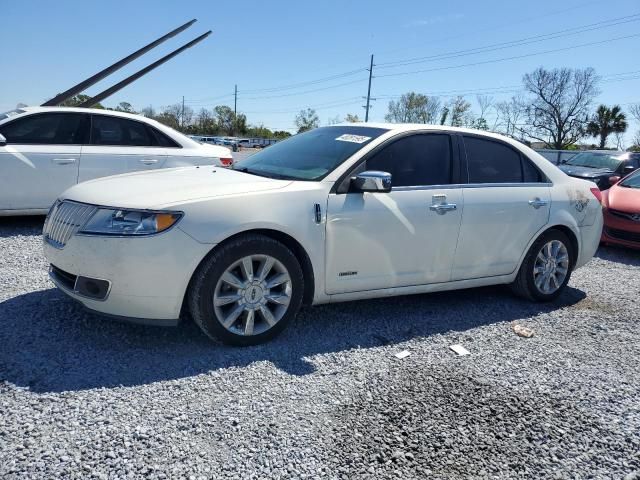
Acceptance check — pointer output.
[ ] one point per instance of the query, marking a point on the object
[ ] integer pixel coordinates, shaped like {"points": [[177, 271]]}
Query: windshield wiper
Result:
{"points": [[276, 176]]}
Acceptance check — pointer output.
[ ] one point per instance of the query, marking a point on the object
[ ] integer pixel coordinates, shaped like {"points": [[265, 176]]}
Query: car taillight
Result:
{"points": [[597, 193], [226, 162]]}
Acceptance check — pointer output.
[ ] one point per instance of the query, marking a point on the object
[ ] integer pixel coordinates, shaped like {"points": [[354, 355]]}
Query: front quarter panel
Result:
{"points": [[290, 210]]}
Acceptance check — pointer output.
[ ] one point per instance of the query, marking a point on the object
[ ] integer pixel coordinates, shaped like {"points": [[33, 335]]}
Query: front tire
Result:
{"points": [[247, 291], [546, 268]]}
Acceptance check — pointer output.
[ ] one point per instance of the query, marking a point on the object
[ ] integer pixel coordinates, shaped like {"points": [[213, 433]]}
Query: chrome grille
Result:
{"points": [[64, 220]]}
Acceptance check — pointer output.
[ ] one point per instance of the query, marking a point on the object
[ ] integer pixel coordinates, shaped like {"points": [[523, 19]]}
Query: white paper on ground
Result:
{"points": [[460, 350], [402, 354]]}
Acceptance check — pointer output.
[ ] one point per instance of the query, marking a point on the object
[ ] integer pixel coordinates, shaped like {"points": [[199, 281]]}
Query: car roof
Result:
{"points": [[98, 111]]}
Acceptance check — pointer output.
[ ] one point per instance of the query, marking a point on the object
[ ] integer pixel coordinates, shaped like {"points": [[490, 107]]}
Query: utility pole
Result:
{"points": [[182, 114], [366, 115], [235, 102], [235, 108]]}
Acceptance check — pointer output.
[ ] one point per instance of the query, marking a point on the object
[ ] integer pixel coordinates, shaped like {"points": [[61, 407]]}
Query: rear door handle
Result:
{"points": [[148, 161], [63, 161], [538, 202]]}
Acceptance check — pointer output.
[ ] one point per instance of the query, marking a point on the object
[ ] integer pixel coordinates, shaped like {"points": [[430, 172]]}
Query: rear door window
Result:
{"points": [[490, 161], [46, 128], [106, 130]]}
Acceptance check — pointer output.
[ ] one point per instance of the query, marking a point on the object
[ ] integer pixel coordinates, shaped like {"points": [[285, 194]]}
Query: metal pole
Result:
{"points": [[120, 85], [366, 115], [235, 108], [182, 115], [61, 97]]}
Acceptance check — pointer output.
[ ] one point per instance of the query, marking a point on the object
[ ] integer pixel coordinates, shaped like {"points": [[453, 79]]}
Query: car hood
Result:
{"points": [[624, 199], [159, 188], [585, 172]]}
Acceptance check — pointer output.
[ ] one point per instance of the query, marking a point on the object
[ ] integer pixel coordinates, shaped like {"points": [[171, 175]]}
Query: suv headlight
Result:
{"points": [[107, 221]]}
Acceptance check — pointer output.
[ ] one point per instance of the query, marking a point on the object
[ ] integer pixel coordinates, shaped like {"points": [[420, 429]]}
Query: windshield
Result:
{"points": [[11, 113], [310, 155], [632, 181], [596, 160]]}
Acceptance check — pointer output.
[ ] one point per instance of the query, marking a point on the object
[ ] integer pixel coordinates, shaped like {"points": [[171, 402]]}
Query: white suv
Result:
{"points": [[45, 150]]}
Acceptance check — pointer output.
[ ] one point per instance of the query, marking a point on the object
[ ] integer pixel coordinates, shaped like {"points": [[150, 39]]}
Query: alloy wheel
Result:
{"points": [[252, 295], [551, 267]]}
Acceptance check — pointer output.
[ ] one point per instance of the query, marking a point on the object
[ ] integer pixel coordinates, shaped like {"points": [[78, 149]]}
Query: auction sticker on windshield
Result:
{"points": [[353, 138]]}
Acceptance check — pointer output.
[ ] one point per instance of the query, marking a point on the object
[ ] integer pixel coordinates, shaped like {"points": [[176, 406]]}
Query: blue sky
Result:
{"points": [[49, 46]]}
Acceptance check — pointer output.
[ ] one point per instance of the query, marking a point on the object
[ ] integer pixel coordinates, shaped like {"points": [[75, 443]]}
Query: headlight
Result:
{"points": [[107, 221]]}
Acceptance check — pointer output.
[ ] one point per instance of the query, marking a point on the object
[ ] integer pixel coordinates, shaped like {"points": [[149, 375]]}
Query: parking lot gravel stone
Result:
{"points": [[86, 397]]}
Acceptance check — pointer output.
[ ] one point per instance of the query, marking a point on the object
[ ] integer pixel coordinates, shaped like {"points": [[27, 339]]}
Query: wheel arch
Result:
{"points": [[296, 247]]}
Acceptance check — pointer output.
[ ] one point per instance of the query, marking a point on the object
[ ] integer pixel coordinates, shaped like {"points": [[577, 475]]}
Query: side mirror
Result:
{"points": [[3, 141], [372, 181], [628, 169], [613, 180]]}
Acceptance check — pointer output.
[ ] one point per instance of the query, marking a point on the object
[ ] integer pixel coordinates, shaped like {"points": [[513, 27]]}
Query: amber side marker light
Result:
{"points": [[165, 220]]}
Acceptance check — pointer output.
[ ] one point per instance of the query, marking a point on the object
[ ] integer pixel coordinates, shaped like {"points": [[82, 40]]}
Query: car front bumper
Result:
{"points": [[143, 279], [620, 231]]}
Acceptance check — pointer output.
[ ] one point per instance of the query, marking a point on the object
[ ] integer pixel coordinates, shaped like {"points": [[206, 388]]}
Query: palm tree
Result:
{"points": [[607, 121]]}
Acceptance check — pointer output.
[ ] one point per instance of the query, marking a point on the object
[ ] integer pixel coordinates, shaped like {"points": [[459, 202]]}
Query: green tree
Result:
{"points": [[281, 134], [413, 108], [307, 120], [77, 100], [607, 121], [224, 119], [125, 107]]}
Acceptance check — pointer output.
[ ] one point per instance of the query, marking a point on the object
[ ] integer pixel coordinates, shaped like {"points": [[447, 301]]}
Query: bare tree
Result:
{"points": [[510, 114], [351, 118], [485, 102], [635, 111], [460, 112], [149, 111], [559, 109], [413, 108], [334, 121]]}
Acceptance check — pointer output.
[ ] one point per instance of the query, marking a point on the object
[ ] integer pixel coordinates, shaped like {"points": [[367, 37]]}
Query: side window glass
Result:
{"points": [[48, 128], [422, 159], [107, 130], [161, 140], [492, 162], [530, 172]]}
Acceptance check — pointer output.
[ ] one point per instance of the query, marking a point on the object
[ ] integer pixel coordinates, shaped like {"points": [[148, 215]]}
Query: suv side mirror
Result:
{"points": [[372, 181], [3, 141], [628, 169]]}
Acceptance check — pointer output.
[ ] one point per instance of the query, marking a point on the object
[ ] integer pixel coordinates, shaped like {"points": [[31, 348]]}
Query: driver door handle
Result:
{"points": [[148, 161]]}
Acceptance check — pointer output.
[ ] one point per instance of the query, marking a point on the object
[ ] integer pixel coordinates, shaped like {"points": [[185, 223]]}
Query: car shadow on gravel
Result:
{"points": [[50, 344], [29, 225], [617, 254]]}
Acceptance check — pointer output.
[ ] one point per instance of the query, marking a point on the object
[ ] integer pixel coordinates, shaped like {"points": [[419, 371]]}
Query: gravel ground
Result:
{"points": [[84, 397]]}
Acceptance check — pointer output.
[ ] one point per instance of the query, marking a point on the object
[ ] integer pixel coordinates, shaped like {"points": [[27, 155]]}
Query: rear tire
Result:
{"points": [[247, 291], [546, 268]]}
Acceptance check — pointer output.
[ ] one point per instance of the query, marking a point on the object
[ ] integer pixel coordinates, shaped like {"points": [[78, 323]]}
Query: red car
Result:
{"points": [[622, 212]]}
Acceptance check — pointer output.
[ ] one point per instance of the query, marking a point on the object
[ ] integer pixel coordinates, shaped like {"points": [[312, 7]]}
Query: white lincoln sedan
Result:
{"points": [[339, 213], [45, 150]]}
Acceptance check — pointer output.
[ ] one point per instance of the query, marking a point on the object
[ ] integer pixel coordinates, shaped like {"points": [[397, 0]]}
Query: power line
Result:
{"points": [[304, 84], [515, 57], [514, 43]]}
